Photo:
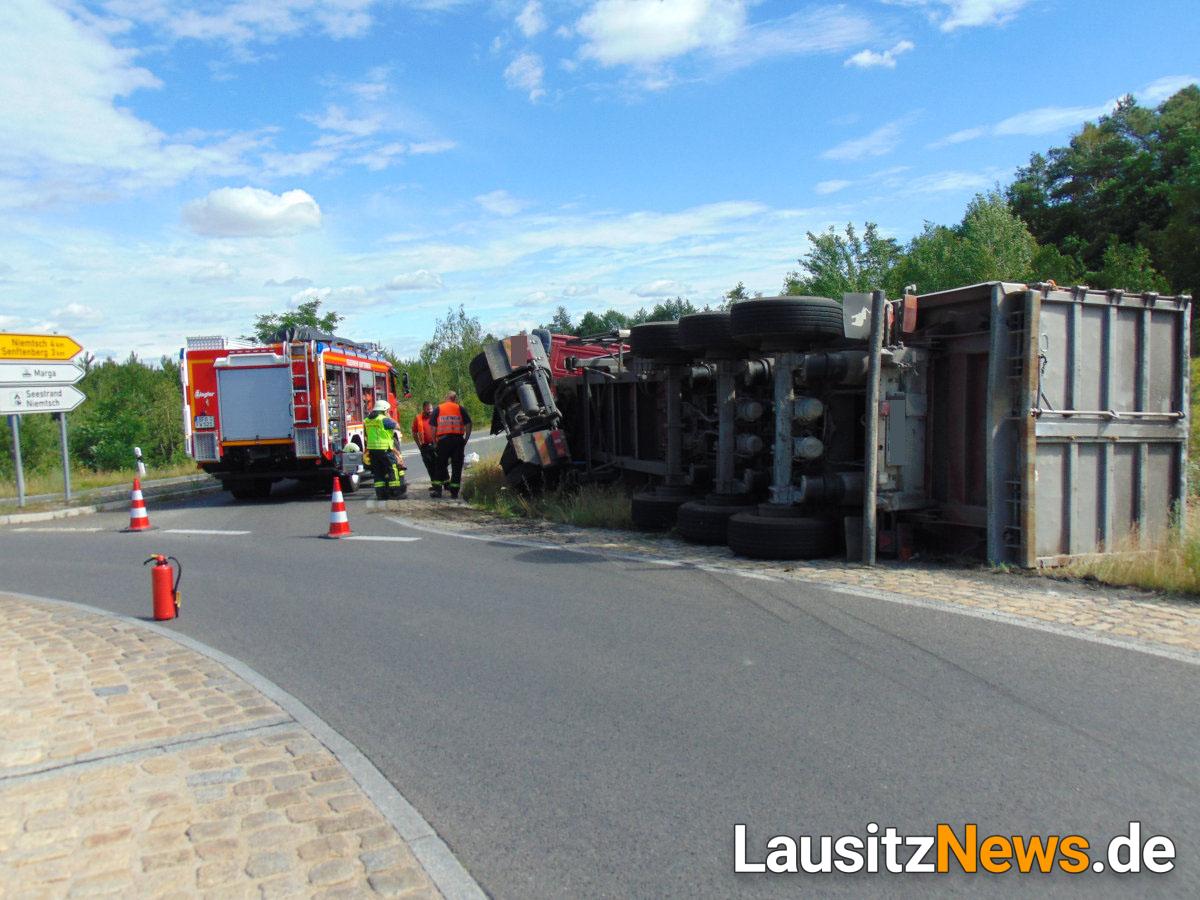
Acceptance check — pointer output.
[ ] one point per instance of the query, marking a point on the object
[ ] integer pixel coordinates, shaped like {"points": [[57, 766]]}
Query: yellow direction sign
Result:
{"points": [[57, 347]]}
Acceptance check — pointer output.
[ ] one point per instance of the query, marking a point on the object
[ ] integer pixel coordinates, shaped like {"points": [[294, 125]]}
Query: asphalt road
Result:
{"points": [[575, 726]]}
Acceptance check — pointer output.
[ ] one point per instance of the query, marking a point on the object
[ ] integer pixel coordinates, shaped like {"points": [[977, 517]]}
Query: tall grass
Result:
{"points": [[590, 506], [1171, 564], [51, 482]]}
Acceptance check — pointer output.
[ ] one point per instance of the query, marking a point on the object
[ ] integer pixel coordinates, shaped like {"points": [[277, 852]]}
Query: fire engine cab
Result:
{"points": [[293, 408]]}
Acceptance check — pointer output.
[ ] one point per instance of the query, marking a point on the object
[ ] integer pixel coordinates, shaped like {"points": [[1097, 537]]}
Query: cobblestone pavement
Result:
{"points": [[130, 764], [1124, 615]]}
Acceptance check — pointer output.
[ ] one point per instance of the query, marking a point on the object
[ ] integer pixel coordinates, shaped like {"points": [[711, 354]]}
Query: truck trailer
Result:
{"points": [[292, 407], [1026, 424]]}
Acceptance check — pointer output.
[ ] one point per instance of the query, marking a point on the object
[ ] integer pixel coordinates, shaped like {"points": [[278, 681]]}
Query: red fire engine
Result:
{"points": [[254, 414]]}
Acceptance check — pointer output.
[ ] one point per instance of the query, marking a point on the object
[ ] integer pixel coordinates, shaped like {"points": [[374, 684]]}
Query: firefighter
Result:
{"points": [[451, 430], [386, 464], [422, 432]]}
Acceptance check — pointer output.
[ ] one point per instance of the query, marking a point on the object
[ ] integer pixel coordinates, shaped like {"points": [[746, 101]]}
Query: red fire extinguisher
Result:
{"points": [[164, 594]]}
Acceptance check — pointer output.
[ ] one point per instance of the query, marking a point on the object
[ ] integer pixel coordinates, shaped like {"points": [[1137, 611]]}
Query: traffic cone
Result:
{"points": [[339, 523], [139, 519]]}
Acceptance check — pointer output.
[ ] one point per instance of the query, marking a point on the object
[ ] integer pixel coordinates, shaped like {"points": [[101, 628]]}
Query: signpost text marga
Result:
{"points": [[36, 377]]}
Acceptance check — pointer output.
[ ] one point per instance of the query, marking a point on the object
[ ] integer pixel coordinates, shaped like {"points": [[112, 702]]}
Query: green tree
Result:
{"points": [[306, 314], [990, 244], [442, 365], [560, 322], [836, 264], [600, 323], [1128, 268]]}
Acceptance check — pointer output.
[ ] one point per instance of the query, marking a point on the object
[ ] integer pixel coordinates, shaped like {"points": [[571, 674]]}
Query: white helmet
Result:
{"points": [[380, 406]]}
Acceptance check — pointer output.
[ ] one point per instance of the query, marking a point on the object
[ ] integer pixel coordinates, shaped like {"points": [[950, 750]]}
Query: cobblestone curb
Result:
{"points": [[132, 764], [1141, 620]]}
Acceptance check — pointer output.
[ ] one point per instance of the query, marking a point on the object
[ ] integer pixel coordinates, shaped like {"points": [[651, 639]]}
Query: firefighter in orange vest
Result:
{"points": [[451, 430], [422, 432]]}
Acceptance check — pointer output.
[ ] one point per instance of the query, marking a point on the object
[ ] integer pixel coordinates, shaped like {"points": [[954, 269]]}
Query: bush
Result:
{"points": [[588, 506]]}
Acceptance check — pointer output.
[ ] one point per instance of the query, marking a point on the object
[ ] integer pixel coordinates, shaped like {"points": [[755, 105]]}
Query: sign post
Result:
{"points": [[36, 377]]}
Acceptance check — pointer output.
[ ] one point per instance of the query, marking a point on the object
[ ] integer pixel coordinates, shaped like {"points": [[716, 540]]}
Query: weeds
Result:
{"points": [[590, 506], [1171, 564], [82, 479]]}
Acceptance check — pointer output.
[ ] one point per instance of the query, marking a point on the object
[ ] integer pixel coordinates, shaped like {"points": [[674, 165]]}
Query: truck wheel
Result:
{"points": [[651, 512], [240, 490], [708, 334], [261, 488], [658, 340], [786, 323], [481, 374], [701, 522], [350, 482], [781, 537]]}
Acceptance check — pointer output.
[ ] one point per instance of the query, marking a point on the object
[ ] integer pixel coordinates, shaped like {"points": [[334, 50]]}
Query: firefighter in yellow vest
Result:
{"points": [[386, 463], [451, 429]]}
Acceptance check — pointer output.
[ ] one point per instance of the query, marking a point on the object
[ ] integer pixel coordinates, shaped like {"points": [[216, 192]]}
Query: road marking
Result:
{"points": [[200, 531], [1191, 657], [379, 537], [59, 530]]}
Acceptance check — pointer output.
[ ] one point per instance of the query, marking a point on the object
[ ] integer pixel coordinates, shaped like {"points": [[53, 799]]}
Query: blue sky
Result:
{"points": [[171, 168]]}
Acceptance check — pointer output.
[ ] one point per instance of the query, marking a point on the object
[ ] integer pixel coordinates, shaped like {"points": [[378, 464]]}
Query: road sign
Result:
{"points": [[39, 373], [35, 398], [38, 346]]}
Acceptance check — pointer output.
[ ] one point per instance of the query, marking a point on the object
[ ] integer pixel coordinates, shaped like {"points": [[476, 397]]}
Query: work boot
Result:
{"points": [[435, 492], [453, 493]]}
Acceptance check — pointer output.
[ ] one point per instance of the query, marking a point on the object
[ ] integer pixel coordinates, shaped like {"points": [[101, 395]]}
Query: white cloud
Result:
{"points": [[879, 142], [938, 182], [1159, 90], [832, 186], [951, 15], [870, 59], [531, 20], [959, 137], [422, 148], [420, 280], [78, 312], [634, 32], [249, 21], [66, 132], [295, 281], [661, 287], [336, 119], [213, 273], [501, 202], [579, 290], [247, 211], [525, 73]]}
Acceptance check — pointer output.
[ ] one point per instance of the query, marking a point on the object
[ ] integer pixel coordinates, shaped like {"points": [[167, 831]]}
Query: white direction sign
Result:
{"points": [[39, 373], [42, 398]]}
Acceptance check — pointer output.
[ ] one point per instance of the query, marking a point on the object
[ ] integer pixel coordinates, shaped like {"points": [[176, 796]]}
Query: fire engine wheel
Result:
{"points": [[706, 523], [485, 385], [786, 323], [651, 512], [708, 334], [251, 489], [658, 340], [350, 483], [777, 537]]}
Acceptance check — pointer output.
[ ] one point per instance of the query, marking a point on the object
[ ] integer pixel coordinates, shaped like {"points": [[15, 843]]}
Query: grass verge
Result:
{"points": [[590, 506], [1171, 564], [84, 479]]}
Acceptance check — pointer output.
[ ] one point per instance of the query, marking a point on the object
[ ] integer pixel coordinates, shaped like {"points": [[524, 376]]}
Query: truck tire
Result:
{"points": [[786, 323], [249, 488], [481, 374], [781, 537], [658, 340], [708, 334], [350, 483], [701, 522], [651, 512]]}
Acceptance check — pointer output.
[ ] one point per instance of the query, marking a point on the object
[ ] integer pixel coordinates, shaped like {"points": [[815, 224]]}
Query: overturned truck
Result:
{"points": [[1025, 424]]}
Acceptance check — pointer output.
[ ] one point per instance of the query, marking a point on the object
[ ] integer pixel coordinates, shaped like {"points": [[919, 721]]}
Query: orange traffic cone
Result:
{"points": [[339, 523], [139, 519]]}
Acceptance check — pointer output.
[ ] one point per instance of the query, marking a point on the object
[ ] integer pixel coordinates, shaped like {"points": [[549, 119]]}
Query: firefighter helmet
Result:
{"points": [[380, 406]]}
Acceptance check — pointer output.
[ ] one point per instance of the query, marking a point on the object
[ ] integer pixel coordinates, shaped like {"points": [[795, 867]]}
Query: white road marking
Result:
{"points": [[200, 531], [59, 530], [379, 537], [1190, 657]]}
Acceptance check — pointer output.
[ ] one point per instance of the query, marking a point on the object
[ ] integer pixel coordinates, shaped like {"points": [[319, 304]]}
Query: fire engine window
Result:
{"points": [[354, 400], [381, 390]]}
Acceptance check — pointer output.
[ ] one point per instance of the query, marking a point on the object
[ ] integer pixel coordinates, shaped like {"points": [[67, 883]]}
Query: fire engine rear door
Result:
{"points": [[255, 403]]}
